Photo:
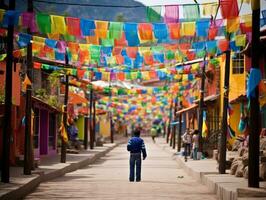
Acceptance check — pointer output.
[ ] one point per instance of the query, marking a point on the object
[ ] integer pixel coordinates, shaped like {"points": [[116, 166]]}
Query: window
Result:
{"points": [[238, 63]]}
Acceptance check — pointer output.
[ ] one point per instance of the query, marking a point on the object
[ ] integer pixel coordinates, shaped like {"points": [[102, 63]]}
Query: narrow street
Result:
{"points": [[162, 178]]}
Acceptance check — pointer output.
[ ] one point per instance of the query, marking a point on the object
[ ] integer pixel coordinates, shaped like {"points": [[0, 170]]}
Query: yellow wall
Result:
{"points": [[237, 87], [80, 125], [105, 129], [237, 84]]}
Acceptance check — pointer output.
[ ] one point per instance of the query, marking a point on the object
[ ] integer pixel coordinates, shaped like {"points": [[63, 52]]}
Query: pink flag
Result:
{"points": [[171, 14]]}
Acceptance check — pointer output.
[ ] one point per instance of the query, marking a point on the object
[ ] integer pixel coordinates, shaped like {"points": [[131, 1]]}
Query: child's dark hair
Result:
{"points": [[137, 132]]}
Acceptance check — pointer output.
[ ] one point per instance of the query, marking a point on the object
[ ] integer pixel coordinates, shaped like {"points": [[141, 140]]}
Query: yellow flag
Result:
{"points": [[54, 36], [232, 25], [241, 40], [204, 129], [2, 13], [209, 9], [25, 83], [84, 47], [188, 28], [247, 20], [38, 39], [58, 24]]}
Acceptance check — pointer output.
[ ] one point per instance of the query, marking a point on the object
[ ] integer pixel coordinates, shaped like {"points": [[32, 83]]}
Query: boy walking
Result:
{"points": [[136, 146]]}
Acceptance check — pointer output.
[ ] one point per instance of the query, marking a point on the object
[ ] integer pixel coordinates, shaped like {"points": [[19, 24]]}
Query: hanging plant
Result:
{"points": [[2, 97], [41, 93], [53, 79]]}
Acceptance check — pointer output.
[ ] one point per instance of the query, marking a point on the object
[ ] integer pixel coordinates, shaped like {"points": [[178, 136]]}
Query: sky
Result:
{"points": [[244, 10]]}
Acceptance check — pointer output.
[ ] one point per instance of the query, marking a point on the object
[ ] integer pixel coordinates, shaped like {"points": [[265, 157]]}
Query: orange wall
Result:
{"points": [[15, 80]]}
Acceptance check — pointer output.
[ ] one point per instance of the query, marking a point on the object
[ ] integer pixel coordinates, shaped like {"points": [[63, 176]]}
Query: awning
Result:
{"points": [[187, 109], [37, 101], [239, 99], [209, 98], [76, 99]]}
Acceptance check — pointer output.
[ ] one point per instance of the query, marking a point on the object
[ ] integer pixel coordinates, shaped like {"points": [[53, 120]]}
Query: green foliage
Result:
{"points": [[53, 79], [41, 93], [53, 101], [2, 97], [120, 17]]}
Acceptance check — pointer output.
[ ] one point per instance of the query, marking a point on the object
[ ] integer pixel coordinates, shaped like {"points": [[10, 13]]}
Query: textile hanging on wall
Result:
{"points": [[171, 14]]}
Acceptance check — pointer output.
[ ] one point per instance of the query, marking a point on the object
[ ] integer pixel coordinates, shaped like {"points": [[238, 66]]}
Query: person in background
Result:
{"points": [[153, 133], [187, 140], [136, 146], [73, 134], [195, 140]]}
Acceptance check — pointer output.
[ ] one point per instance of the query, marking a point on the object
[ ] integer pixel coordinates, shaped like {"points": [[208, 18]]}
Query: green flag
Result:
{"points": [[191, 12], [115, 30], [153, 13], [43, 22]]}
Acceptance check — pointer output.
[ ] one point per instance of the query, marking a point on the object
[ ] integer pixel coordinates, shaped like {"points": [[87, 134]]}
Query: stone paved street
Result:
{"points": [[162, 178]]}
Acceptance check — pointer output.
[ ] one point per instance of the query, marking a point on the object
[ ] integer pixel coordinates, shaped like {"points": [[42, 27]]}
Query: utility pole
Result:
{"points": [[28, 150], [63, 146], [179, 133], [174, 128], [94, 118], [170, 119], [111, 117], [254, 118], [91, 123], [7, 128], [201, 104], [222, 148], [112, 129], [85, 142]]}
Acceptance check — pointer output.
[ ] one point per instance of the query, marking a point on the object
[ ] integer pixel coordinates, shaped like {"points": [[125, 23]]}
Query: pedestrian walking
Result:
{"points": [[187, 139], [153, 133], [195, 140], [136, 146]]}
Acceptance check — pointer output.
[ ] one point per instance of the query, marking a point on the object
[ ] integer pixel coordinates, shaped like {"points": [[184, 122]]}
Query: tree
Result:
{"points": [[120, 17]]}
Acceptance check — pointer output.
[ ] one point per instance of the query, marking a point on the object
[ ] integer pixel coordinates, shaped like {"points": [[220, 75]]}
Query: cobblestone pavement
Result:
{"points": [[162, 178]]}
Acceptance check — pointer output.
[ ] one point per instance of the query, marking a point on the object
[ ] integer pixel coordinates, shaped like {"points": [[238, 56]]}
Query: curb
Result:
{"points": [[223, 188], [203, 178], [31, 185]]}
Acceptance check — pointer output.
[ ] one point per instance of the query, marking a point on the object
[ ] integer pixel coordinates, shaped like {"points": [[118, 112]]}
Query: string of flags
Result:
{"points": [[130, 57], [179, 73]]}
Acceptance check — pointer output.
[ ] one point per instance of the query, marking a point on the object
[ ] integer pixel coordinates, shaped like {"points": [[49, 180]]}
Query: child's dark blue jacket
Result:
{"points": [[136, 145]]}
